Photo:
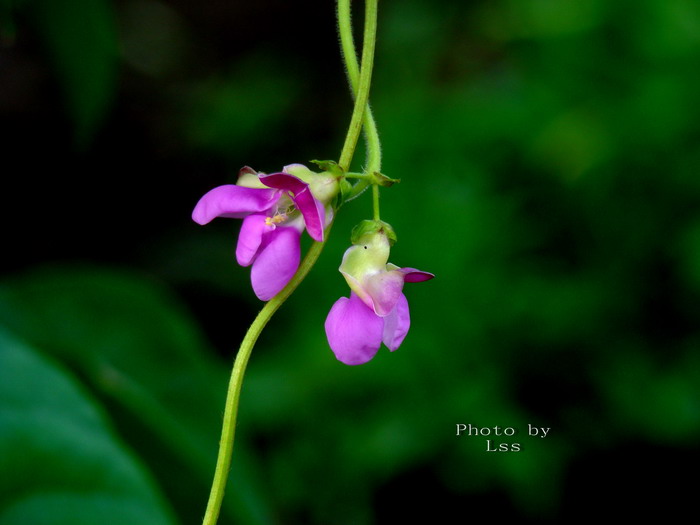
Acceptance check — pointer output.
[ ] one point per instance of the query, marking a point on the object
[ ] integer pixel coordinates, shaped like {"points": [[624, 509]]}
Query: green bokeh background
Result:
{"points": [[549, 157]]}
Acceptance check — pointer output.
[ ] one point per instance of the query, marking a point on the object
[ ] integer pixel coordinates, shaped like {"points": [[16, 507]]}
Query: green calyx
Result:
{"points": [[345, 187], [367, 230], [330, 166]]}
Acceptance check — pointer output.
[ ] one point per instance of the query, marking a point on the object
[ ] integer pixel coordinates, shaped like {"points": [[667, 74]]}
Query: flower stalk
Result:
{"points": [[375, 202]]}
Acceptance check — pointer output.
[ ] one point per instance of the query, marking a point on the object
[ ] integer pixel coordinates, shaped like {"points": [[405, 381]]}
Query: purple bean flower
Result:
{"points": [[275, 209], [377, 310]]}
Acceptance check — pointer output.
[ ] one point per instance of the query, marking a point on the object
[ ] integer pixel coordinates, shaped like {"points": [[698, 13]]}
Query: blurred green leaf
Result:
{"points": [[59, 461], [80, 37], [139, 350]]}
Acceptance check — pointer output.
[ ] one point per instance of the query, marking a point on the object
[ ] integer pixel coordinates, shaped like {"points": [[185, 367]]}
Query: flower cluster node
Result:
{"points": [[276, 209]]}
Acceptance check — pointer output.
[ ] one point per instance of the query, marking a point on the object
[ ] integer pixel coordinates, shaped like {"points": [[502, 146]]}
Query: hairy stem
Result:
{"points": [[347, 43], [360, 83], [223, 462]]}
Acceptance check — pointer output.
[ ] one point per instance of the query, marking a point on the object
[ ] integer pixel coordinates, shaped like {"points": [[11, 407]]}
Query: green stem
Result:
{"points": [[360, 83], [375, 201], [347, 43], [228, 431]]}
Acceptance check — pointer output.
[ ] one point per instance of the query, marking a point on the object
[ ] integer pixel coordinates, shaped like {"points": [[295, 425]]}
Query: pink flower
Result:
{"points": [[377, 310], [275, 209]]}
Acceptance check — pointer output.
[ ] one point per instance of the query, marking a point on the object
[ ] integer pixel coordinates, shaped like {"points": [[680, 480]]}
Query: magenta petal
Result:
{"points": [[354, 331], [314, 214], [396, 324], [411, 275], [284, 181], [250, 238], [233, 201], [276, 263], [310, 208]]}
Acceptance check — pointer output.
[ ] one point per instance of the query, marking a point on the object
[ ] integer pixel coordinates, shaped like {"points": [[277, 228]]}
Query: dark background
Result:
{"points": [[549, 157]]}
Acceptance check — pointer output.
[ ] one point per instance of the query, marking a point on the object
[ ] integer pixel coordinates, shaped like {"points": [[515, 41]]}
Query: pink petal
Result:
{"points": [[411, 275], [276, 263], [233, 201], [396, 324], [312, 209], [354, 332], [250, 238], [385, 289]]}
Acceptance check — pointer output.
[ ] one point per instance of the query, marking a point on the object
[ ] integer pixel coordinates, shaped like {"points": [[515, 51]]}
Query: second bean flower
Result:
{"points": [[377, 310]]}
